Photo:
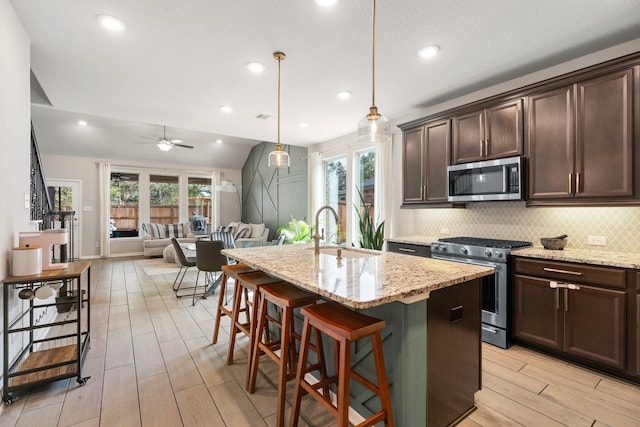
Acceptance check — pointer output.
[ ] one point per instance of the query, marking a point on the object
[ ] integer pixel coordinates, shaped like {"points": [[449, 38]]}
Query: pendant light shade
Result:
{"points": [[373, 127], [279, 158]]}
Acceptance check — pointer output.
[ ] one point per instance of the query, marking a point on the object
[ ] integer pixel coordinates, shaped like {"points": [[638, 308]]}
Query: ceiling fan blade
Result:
{"points": [[176, 141], [149, 137], [183, 145]]}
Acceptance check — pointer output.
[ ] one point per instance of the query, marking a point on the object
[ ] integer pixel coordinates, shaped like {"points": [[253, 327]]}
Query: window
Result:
{"points": [[335, 172], [164, 198], [344, 176], [366, 183], [124, 204], [200, 204]]}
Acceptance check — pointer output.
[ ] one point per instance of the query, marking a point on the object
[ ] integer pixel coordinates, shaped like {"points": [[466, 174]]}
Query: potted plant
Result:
{"points": [[371, 235], [296, 231]]}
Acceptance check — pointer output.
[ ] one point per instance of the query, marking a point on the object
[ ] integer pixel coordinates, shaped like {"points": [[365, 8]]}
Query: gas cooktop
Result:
{"points": [[487, 243]]}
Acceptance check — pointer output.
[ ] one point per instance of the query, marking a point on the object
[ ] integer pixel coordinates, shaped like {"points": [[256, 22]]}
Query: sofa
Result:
{"points": [[247, 232], [156, 237]]}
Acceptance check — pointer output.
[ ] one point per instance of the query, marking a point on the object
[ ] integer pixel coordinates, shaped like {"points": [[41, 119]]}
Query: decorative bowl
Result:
{"points": [[553, 243]]}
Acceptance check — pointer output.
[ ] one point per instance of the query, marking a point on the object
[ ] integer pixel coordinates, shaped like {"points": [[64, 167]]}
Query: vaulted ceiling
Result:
{"points": [[179, 61]]}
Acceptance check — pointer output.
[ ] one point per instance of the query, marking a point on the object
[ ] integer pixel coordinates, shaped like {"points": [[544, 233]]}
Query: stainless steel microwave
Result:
{"points": [[499, 179]]}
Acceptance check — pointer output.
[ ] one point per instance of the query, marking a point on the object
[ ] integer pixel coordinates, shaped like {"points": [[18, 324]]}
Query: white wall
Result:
{"points": [[15, 125], [85, 169], [412, 221]]}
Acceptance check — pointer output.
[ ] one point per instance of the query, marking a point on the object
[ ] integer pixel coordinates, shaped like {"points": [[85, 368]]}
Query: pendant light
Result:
{"points": [[373, 127], [279, 158]]}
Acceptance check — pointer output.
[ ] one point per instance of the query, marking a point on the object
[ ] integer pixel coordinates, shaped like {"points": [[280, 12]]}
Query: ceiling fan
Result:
{"points": [[166, 144]]}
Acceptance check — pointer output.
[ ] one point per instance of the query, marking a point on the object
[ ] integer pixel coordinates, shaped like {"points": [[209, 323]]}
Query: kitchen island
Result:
{"points": [[432, 313]]}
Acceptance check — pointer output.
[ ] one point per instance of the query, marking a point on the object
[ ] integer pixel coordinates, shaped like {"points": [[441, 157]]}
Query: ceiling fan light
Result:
{"points": [[279, 158], [164, 146]]}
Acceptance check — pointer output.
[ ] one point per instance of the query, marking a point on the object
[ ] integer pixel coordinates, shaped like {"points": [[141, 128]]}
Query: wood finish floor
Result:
{"points": [[152, 364]]}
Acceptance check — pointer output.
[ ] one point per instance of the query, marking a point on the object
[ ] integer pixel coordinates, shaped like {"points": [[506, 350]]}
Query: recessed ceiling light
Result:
{"points": [[344, 94], [429, 51], [326, 3], [112, 23], [303, 124], [82, 123], [255, 67], [226, 108], [218, 141]]}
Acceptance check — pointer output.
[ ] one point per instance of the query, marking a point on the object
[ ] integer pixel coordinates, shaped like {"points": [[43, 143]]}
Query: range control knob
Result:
{"points": [[464, 251], [499, 254], [488, 253]]}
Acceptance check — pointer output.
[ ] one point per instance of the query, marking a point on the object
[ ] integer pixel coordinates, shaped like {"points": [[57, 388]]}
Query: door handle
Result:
{"points": [[578, 182], [557, 270], [407, 250], [488, 329]]}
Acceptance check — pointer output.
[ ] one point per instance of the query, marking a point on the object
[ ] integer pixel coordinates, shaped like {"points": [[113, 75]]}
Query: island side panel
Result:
{"points": [[405, 353], [453, 351]]}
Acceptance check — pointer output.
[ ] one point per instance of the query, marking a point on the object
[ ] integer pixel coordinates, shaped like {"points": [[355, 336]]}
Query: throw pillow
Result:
{"points": [[240, 233], [257, 230]]}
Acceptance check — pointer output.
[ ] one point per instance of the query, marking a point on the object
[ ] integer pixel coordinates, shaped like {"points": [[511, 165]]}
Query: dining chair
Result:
{"points": [[184, 262], [209, 260]]}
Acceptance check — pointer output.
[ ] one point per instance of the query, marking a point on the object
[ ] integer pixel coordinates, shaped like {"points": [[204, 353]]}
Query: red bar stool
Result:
{"points": [[285, 297], [232, 271], [344, 326], [251, 281]]}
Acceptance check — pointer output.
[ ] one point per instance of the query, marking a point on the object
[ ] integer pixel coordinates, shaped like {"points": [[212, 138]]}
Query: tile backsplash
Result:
{"points": [[512, 220]]}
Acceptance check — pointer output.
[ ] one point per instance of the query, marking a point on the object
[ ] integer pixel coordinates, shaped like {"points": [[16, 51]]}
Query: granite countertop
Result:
{"points": [[414, 240], [612, 259], [364, 279]]}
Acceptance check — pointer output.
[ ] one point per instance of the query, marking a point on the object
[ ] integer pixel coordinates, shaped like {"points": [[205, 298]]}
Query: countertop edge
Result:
{"points": [[582, 256]]}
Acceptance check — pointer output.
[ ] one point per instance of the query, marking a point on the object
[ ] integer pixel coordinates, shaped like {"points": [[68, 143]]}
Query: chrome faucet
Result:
{"points": [[317, 236]]}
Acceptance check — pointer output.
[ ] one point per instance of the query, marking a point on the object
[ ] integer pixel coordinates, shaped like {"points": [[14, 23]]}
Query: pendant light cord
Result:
{"points": [[373, 55], [278, 143]]}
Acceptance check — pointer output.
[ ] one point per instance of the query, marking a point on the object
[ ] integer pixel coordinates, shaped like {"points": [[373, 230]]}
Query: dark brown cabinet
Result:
{"points": [[580, 140], [410, 249], [490, 133], [425, 157], [572, 309]]}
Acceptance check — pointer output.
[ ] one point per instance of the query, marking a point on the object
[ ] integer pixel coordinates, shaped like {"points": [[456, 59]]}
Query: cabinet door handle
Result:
{"points": [[578, 182], [572, 287], [481, 147], [570, 182], [486, 147], [413, 251], [557, 270], [557, 299]]}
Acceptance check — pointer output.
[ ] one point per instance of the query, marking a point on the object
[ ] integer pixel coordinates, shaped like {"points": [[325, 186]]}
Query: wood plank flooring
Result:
{"points": [[152, 364]]}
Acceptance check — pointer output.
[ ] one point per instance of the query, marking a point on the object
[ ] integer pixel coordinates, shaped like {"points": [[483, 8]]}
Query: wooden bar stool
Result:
{"points": [[285, 297], [250, 281], [229, 271], [344, 326]]}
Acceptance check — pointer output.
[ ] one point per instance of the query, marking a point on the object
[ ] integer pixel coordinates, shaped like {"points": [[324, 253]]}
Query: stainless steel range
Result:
{"points": [[496, 327]]}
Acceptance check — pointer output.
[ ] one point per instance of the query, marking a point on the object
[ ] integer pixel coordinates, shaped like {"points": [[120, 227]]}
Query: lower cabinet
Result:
{"points": [[570, 309]]}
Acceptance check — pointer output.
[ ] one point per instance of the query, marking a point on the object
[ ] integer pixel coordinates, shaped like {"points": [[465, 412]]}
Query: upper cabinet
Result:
{"points": [[425, 157], [490, 133], [580, 133], [580, 140]]}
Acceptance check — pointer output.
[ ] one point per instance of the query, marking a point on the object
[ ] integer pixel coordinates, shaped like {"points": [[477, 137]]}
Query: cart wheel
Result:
{"points": [[82, 381], [9, 400]]}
